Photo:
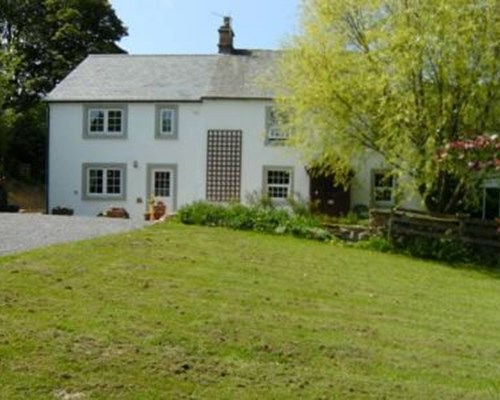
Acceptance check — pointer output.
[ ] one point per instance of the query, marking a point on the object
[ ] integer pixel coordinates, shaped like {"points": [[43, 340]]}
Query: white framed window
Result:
{"points": [[162, 183], [167, 121], [274, 134], [104, 181], [105, 121], [278, 182], [383, 188]]}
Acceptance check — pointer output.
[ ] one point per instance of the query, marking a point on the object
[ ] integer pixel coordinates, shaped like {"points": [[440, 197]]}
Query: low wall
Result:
{"points": [[396, 223]]}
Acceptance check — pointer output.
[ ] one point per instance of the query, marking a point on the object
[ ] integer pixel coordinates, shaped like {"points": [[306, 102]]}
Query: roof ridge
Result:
{"points": [[149, 55], [175, 54]]}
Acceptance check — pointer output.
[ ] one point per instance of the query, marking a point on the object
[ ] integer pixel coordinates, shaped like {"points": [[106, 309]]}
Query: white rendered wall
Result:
{"points": [[69, 151], [361, 184]]}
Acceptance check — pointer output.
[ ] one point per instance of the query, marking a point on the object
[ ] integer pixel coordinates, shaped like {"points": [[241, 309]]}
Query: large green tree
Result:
{"points": [[401, 78], [47, 38], [7, 114], [51, 37]]}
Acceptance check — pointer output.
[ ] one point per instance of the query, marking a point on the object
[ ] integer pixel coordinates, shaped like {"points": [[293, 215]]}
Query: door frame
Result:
{"points": [[172, 167]]}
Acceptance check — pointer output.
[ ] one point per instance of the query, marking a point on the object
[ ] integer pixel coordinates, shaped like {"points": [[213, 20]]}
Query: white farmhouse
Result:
{"points": [[181, 128]]}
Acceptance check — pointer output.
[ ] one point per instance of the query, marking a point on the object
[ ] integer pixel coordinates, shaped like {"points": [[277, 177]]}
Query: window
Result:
{"points": [[278, 182], [104, 181], [161, 183], [105, 121], [273, 132], [167, 121], [383, 188]]}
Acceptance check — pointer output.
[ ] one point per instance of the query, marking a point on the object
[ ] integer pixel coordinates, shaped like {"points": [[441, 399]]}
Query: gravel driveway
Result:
{"points": [[19, 232]]}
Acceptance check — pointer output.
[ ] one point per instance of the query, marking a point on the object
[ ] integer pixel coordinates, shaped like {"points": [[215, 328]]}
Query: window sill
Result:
{"points": [[103, 197], [276, 142], [166, 137], [105, 136]]}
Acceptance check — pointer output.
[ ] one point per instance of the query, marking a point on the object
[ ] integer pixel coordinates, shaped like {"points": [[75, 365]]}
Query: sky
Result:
{"points": [[190, 26]]}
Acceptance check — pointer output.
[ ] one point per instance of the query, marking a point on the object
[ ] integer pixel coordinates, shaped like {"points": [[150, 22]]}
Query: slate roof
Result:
{"points": [[123, 77]]}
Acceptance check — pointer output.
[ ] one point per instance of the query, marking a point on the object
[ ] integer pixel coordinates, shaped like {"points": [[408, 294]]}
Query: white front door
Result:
{"points": [[162, 186]]}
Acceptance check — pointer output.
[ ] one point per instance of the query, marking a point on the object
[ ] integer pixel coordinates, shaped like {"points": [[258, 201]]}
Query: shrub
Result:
{"points": [[302, 207], [441, 249], [259, 200], [257, 218], [377, 243], [240, 217], [202, 213]]}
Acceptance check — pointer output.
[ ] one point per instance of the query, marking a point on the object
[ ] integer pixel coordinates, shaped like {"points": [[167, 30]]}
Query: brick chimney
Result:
{"points": [[226, 36]]}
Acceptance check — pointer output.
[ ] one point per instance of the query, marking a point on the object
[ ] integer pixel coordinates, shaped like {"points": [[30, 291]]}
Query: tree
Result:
{"points": [[51, 37], [47, 39], [7, 115], [396, 77]]}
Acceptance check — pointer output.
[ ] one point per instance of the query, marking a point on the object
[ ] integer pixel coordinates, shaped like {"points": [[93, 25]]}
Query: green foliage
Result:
{"points": [[42, 41], [7, 114], [28, 143], [299, 206], [202, 213], [443, 249], [259, 199], [397, 78], [377, 243], [256, 218], [50, 37], [350, 219]]}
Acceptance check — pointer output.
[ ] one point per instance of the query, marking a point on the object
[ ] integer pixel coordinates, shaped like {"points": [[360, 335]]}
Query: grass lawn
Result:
{"points": [[175, 312]]}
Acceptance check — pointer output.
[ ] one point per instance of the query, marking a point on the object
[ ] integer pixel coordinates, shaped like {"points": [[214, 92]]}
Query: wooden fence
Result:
{"points": [[410, 223]]}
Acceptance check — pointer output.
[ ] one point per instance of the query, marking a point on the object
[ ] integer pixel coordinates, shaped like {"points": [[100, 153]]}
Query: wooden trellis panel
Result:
{"points": [[224, 165]]}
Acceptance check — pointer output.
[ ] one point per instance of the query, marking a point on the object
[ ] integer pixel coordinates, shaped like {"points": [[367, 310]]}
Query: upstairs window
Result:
{"points": [[105, 121], [274, 133], [383, 188], [167, 121], [278, 182], [102, 121]]}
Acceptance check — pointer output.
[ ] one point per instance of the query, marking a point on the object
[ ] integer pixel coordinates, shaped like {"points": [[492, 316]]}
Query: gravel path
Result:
{"points": [[19, 232]]}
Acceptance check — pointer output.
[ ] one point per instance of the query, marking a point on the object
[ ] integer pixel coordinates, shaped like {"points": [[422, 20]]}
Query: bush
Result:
{"points": [[257, 217], [203, 213], [302, 207], [442, 249], [377, 243]]}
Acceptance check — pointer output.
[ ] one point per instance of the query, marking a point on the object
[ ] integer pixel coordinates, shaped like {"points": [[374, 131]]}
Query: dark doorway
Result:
{"points": [[491, 208], [328, 198]]}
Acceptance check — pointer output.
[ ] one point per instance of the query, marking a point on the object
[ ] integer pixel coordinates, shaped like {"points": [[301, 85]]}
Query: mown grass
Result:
{"points": [[176, 312]]}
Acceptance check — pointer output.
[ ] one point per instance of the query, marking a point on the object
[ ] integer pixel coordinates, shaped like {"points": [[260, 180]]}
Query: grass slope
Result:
{"points": [[190, 312]]}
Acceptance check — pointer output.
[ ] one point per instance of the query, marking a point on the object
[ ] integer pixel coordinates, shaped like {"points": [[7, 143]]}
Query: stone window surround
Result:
{"points": [[174, 168], [158, 121], [105, 107], [381, 203], [268, 140], [287, 168], [88, 166]]}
